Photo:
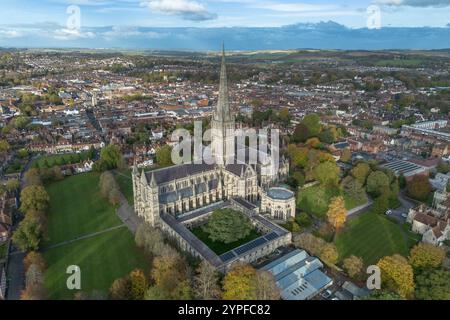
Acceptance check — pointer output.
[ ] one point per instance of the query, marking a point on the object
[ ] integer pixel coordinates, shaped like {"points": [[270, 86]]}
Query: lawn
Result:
{"points": [[220, 247], [76, 209], [315, 200], [372, 236], [125, 182]]}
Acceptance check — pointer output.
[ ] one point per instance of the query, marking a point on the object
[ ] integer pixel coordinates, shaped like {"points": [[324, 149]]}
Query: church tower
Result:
{"points": [[222, 124]]}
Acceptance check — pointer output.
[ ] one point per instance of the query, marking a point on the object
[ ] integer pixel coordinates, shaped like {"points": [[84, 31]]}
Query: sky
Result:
{"points": [[59, 18]]}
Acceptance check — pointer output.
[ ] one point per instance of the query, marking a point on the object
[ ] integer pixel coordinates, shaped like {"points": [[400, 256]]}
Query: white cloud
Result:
{"points": [[414, 3], [187, 9], [10, 34], [127, 32], [72, 34]]}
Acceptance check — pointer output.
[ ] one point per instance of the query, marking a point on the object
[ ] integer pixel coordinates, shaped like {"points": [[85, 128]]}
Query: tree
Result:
{"points": [[433, 285], [381, 204], [418, 187], [239, 283], [346, 155], [150, 239], [329, 254], [397, 275], [227, 226], [4, 146], [112, 157], [138, 284], [327, 173], [383, 295], [354, 189], [35, 258], [360, 172], [312, 123], [28, 235], [32, 177], [34, 197], [120, 289], [377, 183], [12, 185], [164, 156], [169, 274], [353, 265], [298, 155], [310, 243], [426, 255], [266, 287], [205, 282], [337, 214], [301, 133], [34, 284]]}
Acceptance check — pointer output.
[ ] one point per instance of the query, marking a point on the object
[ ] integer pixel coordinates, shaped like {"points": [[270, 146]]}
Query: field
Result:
{"points": [[372, 236], [220, 247], [315, 200], [76, 210]]}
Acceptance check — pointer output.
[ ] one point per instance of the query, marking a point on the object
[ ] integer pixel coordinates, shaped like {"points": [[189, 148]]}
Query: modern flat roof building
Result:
{"points": [[298, 275], [406, 168]]}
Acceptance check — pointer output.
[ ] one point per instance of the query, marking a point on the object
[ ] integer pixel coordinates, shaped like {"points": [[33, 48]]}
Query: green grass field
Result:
{"points": [[220, 247], [77, 209], [315, 200], [372, 236]]}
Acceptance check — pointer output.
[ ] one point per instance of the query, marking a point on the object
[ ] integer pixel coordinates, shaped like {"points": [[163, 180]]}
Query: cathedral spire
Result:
{"points": [[222, 112]]}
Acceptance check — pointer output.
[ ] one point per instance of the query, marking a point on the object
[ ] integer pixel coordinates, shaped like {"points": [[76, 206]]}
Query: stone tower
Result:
{"points": [[223, 124]]}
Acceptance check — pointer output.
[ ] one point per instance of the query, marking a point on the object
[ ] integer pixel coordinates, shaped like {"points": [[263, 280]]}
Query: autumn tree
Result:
{"points": [[169, 275], [353, 265], [206, 282], [34, 284], [32, 177], [266, 287], [4, 146], [121, 289], [426, 255], [329, 253], [360, 172], [138, 284], [418, 187], [239, 283], [346, 155], [337, 214], [12, 185], [35, 258], [397, 275], [150, 239], [34, 197]]}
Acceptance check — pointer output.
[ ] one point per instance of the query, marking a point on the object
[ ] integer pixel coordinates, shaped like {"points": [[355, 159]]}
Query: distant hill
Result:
{"points": [[322, 35]]}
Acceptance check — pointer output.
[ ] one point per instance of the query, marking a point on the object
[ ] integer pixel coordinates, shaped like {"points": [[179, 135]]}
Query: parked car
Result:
{"points": [[389, 212], [405, 215]]}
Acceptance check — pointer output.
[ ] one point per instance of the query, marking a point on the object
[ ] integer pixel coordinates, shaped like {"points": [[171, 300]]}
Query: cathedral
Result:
{"points": [[182, 188], [177, 197]]}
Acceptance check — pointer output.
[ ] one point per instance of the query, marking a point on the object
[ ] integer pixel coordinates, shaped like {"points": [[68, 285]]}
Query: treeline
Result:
{"points": [[30, 233]]}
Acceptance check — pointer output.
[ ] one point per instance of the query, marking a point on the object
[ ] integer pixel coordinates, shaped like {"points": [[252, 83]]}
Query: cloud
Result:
{"points": [[72, 34], [186, 9], [127, 32], [415, 3], [10, 34]]}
